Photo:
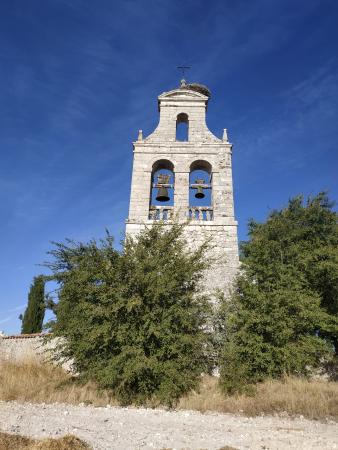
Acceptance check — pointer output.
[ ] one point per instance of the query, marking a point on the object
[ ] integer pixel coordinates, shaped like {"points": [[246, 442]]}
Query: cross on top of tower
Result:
{"points": [[183, 68]]}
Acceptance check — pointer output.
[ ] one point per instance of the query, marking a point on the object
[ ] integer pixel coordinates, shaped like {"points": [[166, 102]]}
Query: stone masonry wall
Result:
{"points": [[28, 347], [21, 347], [202, 145]]}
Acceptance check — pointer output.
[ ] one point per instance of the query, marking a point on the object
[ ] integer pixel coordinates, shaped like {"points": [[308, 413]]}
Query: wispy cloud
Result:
{"points": [[17, 308], [6, 319], [302, 124], [314, 101]]}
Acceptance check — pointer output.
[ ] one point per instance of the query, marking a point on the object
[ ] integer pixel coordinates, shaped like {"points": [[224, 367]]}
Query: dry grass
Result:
{"points": [[15, 442], [295, 396], [34, 382], [31, 381]]}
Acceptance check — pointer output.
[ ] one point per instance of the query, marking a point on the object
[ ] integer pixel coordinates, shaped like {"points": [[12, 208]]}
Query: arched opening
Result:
{"points": [[162, 190], [200, 191], [182, 127]]}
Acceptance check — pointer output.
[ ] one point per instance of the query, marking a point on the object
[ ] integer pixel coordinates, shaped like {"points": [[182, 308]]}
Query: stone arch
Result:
{"points": [[155, 162], [162, 164], [201, 164], [162, 171], [182, 127]]}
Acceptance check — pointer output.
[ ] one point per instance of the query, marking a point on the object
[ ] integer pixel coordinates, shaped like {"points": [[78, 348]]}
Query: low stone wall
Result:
{"points": [[22, 347], [28, 347]]}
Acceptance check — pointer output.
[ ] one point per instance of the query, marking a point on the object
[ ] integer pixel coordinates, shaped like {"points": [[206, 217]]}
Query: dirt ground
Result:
{"points": [[130, 428]]}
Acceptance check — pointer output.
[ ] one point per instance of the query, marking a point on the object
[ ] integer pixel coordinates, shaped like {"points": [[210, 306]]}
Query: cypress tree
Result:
{"points": [[34, 314]]}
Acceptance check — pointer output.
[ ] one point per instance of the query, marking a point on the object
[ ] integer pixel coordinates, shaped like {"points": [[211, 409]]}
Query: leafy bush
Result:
{"points": [[133, 320], [282, 317]]}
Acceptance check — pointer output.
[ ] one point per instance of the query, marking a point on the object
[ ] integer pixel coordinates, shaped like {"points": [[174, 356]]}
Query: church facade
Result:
{"points": [[183, 171]]}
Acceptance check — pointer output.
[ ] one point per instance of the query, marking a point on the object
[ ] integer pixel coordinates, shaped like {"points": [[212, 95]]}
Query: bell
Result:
{"points": [[162, 194], [199, 193]]}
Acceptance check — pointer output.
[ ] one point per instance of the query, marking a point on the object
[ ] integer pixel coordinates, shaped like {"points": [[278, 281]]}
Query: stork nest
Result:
{"points": [[198, 88]]}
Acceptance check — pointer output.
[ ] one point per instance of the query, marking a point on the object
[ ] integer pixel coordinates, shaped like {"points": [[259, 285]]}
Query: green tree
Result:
{"points": [[133, 320], [32, 319], [282, 317]]}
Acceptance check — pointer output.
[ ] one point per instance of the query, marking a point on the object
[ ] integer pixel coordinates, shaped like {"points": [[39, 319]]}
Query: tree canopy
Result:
{"points": [[133, 320], [282, 316]]}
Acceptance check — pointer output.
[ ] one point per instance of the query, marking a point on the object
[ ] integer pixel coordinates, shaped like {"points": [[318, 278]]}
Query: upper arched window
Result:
{"points": [[182, 127]]}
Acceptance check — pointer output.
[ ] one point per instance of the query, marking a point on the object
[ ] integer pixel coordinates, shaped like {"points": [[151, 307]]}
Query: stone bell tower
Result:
{"points": [[183, 170]]}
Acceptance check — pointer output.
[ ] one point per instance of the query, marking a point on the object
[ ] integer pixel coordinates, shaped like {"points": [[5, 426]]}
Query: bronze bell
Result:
{"points": [[162, 194], [199, 193]]}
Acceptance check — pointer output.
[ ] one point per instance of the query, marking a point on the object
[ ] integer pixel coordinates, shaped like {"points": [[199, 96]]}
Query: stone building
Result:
{"points": [[182, 170]]}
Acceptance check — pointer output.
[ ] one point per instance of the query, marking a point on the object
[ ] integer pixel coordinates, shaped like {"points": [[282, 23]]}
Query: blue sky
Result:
{"points": [[79, 78]]}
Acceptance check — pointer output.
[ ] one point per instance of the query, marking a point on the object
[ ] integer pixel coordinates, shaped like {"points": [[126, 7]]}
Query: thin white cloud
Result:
{"points": [[12, 310], [17, 308], [6, 319], [306, 112]]}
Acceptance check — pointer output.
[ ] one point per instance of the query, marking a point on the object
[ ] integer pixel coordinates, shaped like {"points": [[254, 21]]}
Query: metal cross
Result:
{"points": [[183, 68]]}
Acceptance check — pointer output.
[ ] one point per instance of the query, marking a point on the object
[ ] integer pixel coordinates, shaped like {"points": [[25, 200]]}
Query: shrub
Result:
{"points": [[133, 320], [281, 318]]}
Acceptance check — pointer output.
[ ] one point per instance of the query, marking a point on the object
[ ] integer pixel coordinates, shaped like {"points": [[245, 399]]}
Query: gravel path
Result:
{"points": [[130, 429]]}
